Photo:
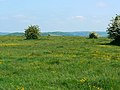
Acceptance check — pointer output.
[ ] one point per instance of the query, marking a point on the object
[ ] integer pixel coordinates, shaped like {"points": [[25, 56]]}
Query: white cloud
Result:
{"points": [[101, 4], [81, 18]]}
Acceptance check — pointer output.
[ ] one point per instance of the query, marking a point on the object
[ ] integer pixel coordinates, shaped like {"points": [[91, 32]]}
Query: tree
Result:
{"points": [[114, 30], [32, 32]]}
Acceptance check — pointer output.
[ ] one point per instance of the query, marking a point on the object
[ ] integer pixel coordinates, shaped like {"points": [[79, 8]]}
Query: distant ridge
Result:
{"points": [[3, 33], [15, 34], [80, 33]]}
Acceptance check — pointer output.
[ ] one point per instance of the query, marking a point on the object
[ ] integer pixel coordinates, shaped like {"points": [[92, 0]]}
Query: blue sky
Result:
{"points": [[57, 15]]}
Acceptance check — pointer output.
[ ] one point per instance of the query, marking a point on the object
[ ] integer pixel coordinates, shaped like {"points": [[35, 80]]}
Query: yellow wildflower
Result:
{"points": [[83, 80], [1, 62], [98, 88], [22, 88]]}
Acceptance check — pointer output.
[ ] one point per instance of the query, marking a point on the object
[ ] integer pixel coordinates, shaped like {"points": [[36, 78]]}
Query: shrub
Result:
{"points": [[32, 32], [93, 35], [114, 30]]}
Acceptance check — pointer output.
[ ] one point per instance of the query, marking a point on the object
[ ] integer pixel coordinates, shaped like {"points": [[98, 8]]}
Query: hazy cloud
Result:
{"points": [[101, 4], [4, 18], [24, 18], [81, 18], [97, 19], [20, 16], [17, 17], [2, 0]]}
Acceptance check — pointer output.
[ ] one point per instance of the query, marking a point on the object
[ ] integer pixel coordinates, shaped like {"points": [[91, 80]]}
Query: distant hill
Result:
{"points": [[81, 33], [3, 33], [15, 34]]}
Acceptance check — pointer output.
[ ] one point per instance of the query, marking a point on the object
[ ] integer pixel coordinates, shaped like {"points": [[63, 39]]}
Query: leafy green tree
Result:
{"points": [[114, 30], [32, 32]]}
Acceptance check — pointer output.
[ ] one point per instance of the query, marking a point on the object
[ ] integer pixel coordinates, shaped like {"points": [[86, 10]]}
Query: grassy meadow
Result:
{"points": [[58, 63]]}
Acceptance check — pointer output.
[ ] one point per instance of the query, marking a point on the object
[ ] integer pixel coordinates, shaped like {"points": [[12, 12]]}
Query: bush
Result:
{"points": [[114, 30], [93, 35], [32, 32]]}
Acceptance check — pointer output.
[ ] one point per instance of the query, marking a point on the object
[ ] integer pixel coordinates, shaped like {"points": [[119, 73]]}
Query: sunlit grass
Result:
{"points": [[58, 63], [13, 44]]}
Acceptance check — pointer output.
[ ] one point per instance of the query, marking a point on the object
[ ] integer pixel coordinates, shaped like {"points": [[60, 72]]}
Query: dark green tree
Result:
{"points": [[114, 30], [32, 32]]}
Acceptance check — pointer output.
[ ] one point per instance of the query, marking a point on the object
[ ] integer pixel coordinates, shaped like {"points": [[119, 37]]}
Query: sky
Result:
{"points": [[57, 15]]}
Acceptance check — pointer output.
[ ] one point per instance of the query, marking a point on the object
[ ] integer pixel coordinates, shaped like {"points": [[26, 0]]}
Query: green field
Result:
{"points": [[58, 63]]}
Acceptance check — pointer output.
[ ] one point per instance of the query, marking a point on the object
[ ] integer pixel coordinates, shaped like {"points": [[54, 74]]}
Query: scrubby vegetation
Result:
{"points": [[58, 63], [93, 35]]}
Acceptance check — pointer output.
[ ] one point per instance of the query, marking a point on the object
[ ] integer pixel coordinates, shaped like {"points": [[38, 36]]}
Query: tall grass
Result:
{"points": [[58, 63]]}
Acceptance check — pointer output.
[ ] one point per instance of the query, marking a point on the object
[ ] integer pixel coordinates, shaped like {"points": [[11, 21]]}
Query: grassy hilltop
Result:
{"points": [[58, 63]]}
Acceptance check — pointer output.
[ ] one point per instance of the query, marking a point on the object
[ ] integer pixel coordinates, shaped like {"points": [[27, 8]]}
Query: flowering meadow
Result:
{"points": [[59, 63]]}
